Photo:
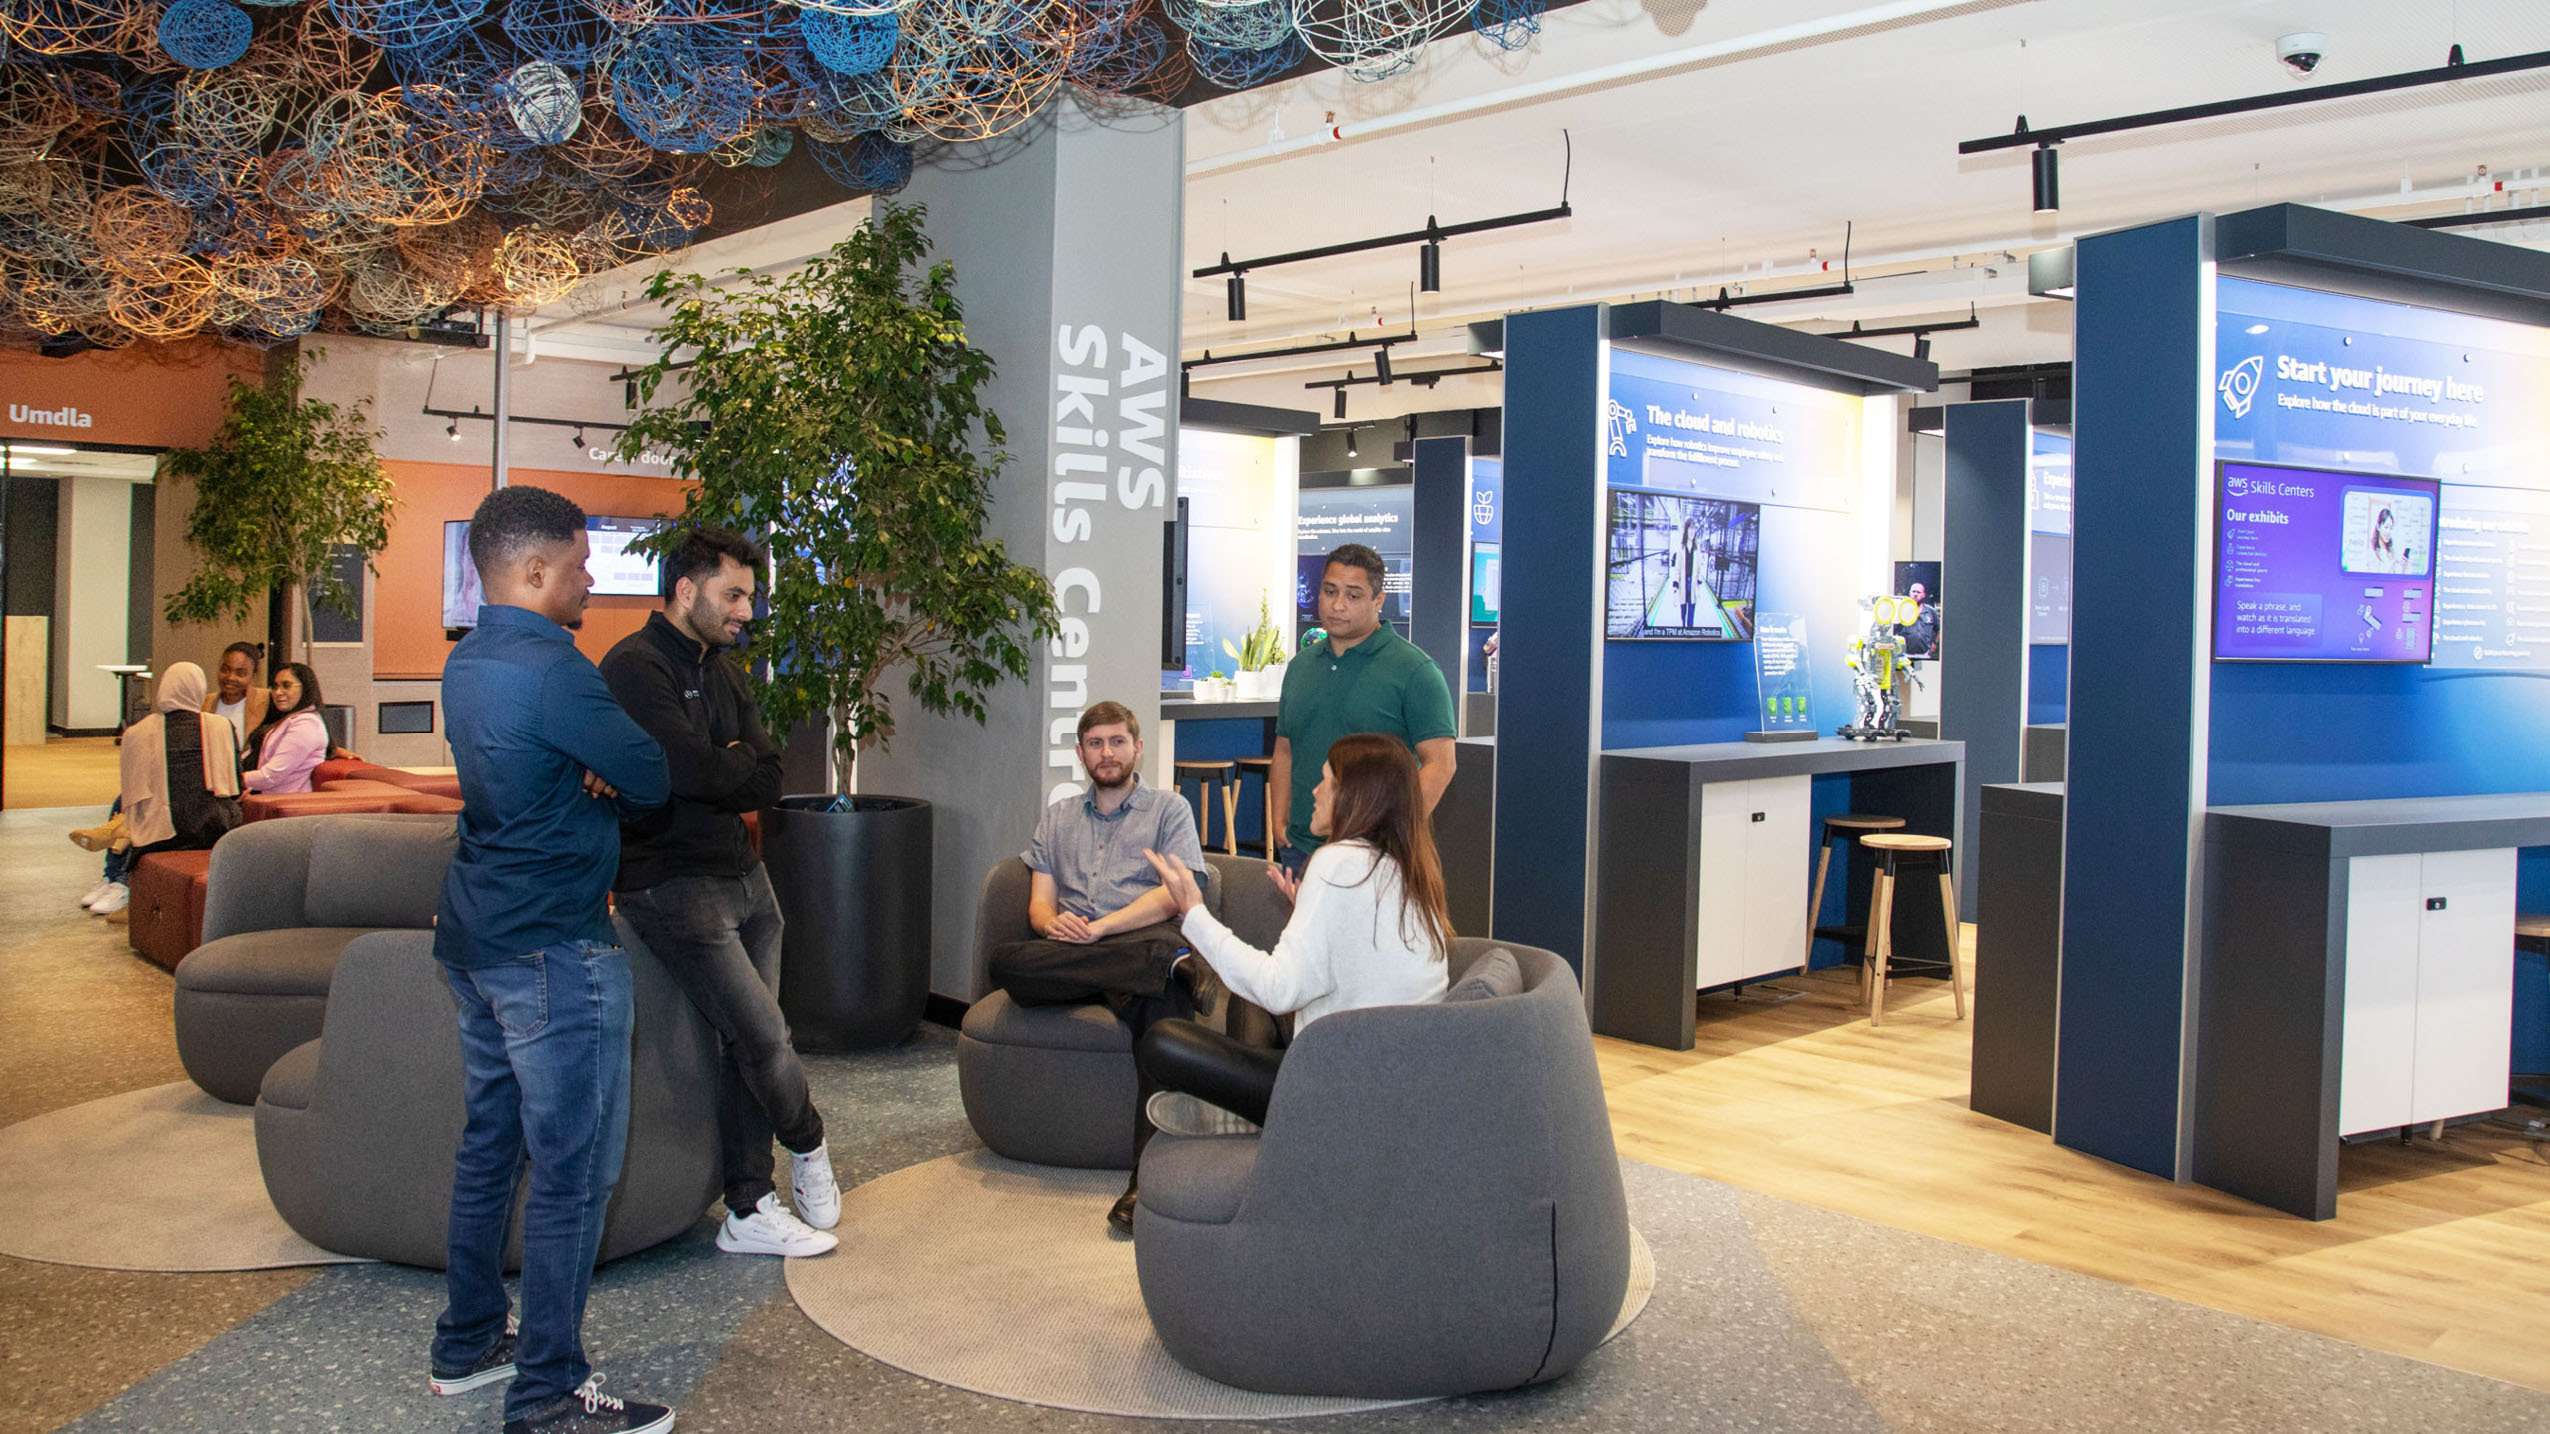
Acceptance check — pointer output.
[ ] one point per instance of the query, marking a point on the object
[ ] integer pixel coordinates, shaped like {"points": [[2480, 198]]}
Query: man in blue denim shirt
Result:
{"points": [[549, 765]]}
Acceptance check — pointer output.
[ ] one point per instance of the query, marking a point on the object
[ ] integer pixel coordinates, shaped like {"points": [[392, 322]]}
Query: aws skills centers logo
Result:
{"points": [[2239, 386]]}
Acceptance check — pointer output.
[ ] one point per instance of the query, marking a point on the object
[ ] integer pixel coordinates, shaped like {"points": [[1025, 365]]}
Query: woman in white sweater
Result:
{"points": [[1369, 928]]}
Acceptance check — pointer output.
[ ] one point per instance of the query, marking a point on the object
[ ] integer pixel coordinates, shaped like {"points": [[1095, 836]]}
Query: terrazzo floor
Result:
{"points": [[1768, 1315]]}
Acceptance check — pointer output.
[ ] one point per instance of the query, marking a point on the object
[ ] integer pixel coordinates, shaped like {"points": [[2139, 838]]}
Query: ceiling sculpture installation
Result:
{"points": [[177, 167]]}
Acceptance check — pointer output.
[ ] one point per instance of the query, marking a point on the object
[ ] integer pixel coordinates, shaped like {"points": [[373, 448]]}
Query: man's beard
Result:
{"points": [[714, 640], [1123, 780]]}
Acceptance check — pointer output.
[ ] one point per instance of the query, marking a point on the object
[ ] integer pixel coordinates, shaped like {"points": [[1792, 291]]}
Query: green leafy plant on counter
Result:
{"points": [[284, 488], [836, 411], [1263, 646]]}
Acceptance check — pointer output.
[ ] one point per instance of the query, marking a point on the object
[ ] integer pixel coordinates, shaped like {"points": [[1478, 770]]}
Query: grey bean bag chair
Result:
{"points": [[356, 1130], [1433, 1208]]}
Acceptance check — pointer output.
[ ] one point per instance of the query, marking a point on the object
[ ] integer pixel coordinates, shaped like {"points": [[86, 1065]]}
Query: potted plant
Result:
{"points": [[837, 412], [284, 487], [1260, 651]]}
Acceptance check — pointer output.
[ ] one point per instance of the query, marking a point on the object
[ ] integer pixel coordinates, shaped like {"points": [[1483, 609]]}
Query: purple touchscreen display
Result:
{"points": [[2314, 566]]}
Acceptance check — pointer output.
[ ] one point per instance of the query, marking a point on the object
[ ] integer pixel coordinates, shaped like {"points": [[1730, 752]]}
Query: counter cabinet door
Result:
{"points": [[2384, 896], [2465, 984], [1753, 870]]}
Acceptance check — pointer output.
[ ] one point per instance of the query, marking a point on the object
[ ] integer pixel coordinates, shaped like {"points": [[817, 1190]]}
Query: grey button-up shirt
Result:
{"points": [[1096, 860]]}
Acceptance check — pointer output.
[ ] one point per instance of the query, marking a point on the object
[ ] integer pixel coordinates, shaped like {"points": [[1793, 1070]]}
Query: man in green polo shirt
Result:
{"points": [[1358, 677]]}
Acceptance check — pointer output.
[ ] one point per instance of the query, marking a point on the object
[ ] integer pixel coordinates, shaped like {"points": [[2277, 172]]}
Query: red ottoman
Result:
{"points": [[377, 798], [168, 905]]}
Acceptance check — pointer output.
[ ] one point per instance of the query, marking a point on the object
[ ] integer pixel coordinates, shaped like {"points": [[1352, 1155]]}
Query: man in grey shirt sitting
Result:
{"points": [[1108, 928]]}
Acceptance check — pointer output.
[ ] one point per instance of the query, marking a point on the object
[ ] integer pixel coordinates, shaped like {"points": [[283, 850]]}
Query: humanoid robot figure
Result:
{"points": [[1880, 671]]}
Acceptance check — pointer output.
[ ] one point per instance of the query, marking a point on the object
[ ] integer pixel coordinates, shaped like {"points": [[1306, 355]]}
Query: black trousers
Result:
{"points": [[1128, 972], [1206, 1064]]}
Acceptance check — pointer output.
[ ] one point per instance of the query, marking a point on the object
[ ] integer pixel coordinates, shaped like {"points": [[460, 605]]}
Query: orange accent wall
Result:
{"points": [[407, 631], [146, 395]]}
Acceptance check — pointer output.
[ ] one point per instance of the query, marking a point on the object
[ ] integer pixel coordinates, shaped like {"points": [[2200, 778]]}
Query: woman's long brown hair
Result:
{"points": [[1378, 801]]}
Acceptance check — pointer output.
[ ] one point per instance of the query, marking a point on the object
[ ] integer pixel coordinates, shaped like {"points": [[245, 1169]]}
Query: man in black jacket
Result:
{"points": [[690, 884]]}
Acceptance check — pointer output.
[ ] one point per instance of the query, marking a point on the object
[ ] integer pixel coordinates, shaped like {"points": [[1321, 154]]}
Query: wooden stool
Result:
{"points": [[1840, 829], [1212, 775], [1892, 847], [1264, 767]]}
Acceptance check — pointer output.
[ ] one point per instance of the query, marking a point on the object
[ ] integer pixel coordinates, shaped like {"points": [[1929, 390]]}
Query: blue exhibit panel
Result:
{"points": [[2140, 501], [2049, 673], [1545, 745]]}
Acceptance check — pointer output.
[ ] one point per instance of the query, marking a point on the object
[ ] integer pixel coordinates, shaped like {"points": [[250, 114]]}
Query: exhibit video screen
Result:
{"points": [[1682, 568], [617, 572], [2313, 565]]}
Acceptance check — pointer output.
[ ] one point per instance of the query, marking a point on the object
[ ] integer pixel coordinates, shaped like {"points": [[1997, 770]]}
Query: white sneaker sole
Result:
{"points": [[466, 1383], [736, 1245]]}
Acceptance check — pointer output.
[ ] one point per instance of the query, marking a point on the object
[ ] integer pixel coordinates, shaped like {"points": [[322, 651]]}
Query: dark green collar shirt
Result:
{"points": [[1384, 683]]}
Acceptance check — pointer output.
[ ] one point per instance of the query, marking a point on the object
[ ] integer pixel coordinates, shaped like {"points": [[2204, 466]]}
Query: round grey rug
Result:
{"points": [[178, 1171], [1002, 1279]]}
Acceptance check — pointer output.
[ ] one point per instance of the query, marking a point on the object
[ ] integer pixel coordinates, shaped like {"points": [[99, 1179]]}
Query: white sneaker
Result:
{"points": [[95, 892], [1174, 1112], [771, 1230], [115, 898], [818, 1194]]}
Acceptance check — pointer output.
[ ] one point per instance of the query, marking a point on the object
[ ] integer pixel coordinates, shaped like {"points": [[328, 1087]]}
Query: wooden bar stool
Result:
{"points": [[1213, 776], [1840, 829], [1893, 847], [1264, 767]]}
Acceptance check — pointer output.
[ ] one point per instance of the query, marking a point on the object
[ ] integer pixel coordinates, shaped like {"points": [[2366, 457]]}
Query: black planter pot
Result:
{"points": [[854, 887]]}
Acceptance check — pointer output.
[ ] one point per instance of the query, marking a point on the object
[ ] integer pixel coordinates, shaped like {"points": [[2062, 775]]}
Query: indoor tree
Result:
{"points": [[837, 412], [285, 483]]}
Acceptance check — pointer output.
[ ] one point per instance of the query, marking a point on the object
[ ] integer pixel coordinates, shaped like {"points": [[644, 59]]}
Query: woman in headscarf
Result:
{"points": [[181, 779]]}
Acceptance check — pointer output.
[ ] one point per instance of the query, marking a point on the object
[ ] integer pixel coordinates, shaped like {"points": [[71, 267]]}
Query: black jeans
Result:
{"points": [[1204, 1063], [1129, 971], [719, 937]]}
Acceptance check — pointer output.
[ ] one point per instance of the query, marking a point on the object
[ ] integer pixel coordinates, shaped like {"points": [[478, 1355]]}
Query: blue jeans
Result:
{"points": [[544, 1048]]}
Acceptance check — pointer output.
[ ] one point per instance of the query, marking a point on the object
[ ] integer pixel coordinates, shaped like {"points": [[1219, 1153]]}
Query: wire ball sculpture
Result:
{"points": [[1508, 24], [260, 169], [868, 163], [205, 34]]}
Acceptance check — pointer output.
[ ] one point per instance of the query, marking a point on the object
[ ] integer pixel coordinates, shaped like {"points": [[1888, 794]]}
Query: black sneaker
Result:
{"points": [[590, 1411], [497, 1363]]}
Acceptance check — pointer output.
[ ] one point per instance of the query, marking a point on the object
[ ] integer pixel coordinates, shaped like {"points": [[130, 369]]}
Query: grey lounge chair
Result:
{"points": [[1433, 1208], [1055, 1085], [283, 899], [356, 1131]]}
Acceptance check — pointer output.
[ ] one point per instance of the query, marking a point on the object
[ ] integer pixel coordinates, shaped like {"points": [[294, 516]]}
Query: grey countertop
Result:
{"points": [[1741, 761], [1182, 709], [2389, 826]]}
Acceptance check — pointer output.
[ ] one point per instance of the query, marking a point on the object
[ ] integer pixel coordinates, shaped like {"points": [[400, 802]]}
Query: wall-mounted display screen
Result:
{"points": [[2313, 565], [1487, 581], [617, 572], [1682, 567]]}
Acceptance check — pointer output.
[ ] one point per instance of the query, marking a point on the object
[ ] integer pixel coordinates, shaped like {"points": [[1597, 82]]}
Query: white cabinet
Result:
{"points": [[2429, 1015], [1753, 855]]}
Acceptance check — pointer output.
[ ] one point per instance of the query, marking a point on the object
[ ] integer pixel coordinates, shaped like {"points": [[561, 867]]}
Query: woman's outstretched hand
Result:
{"points": [[1285, 882], [1179, 882]]}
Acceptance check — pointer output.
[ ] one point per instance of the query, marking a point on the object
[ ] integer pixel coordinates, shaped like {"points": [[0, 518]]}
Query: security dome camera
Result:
{"points": [[2302, 53]]}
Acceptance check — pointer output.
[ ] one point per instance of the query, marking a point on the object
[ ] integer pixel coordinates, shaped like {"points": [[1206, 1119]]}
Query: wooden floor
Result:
{"points": [[2440, 1251], [64, 772]]}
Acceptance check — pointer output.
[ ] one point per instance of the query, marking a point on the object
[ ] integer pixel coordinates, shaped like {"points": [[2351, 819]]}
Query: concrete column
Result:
{"points": [[92, 599], [1067, 260]]}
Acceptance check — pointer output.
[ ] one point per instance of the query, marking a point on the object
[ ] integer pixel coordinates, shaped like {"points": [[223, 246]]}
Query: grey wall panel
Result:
{"points": [[1067, 257], [1983, 699]]}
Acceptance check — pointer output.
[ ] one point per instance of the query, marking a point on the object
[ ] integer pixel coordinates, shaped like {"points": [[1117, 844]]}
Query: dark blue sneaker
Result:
{"points": [[497, 1363], [590, 1411]]}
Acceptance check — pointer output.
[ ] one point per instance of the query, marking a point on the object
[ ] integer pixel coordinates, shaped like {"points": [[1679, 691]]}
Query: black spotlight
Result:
{"points": [[2048, 190], [1921, 346], [1430, 267], [579, 440], [1350, 444], [1239, 298], [453, 428], [1341, 400], [1381, 366]]}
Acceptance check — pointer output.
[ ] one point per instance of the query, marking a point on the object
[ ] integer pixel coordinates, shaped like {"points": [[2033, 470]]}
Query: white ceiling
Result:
{"points": [[1749, 134], [1734, 142]]}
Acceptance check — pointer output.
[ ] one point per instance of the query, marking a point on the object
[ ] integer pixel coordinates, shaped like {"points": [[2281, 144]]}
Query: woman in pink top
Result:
{"points": [[294, 739]]}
